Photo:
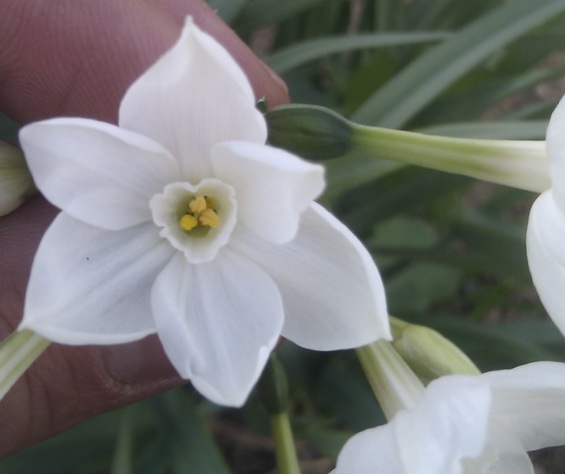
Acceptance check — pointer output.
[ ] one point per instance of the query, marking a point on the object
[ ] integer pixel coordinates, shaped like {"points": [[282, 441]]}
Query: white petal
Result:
{"points": [[332, 291], [370, 452], [193, 97], [96, 172], [92, 286], [218, 323], [273, 186], [448, 425], [503, 454], [508, 457], [530, 402], [546, 255]]}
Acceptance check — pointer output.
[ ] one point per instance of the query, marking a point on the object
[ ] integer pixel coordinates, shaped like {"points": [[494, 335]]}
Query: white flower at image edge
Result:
{"points": [[482, 424], [182, 222], [546, 226]]}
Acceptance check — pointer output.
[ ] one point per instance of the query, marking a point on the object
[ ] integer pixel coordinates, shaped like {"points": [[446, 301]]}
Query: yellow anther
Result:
{"points": [[199, 213], [197, 205], [210, 218], [188, 222]]}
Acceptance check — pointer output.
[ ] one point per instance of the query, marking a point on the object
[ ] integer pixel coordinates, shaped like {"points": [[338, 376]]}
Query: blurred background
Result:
{"points": [[451, 250]]}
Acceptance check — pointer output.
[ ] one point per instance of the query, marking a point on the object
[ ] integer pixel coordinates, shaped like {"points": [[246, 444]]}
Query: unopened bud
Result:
{"points": [[311, 132], [429, 354]]}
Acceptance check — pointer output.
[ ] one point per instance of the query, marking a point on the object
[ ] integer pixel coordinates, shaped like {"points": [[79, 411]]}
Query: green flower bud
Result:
{"points": [[428, 353], [312, 132]]}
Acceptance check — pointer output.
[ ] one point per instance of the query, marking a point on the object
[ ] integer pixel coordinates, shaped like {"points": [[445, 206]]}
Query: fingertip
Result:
{"points": [[76, 58]]}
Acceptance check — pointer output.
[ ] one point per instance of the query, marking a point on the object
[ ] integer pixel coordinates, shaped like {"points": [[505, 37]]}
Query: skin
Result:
{"points": [[77, 58]]}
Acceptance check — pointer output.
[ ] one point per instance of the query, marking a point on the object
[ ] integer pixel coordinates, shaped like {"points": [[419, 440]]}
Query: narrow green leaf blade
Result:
{"points": [[417, 85], [289, 58]]}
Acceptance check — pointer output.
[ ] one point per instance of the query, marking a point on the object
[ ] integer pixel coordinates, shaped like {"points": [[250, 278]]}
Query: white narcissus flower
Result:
{"points": [[546, 226], [483, 424], [182, 222]]}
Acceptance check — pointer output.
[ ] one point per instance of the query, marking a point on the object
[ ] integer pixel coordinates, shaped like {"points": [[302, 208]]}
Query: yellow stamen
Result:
{"points": [[200, 212], [188, 222], [198, 204], [210, 218]]}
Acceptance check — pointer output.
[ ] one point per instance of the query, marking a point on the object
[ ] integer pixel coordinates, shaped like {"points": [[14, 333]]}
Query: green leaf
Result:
{"points": [[8, 129], [418, 286], [423, 80], [489, 89], [289, 58], [349, 172], [192, 447], [257, 13], [425, 13], [86, 448], [344, 391], [399, 191], [326, 442], [227, 10], [493, 238]]}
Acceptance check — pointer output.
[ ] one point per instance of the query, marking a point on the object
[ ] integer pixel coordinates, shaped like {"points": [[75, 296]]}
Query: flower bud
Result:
{"points": [[428, 353], [312, 132]]}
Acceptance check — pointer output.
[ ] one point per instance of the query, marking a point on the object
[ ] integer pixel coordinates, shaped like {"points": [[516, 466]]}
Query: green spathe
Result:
{"points": [[394, 384]]}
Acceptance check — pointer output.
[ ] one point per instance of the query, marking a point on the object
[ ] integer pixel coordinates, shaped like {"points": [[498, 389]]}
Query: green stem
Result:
{"points": [[520, 164], [273, 392], [121, 461], [393, 382], [17, 352], [285, 450]]}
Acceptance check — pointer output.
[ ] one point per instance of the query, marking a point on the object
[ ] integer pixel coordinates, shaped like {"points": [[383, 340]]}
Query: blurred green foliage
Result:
{"points": [[451, 251]]}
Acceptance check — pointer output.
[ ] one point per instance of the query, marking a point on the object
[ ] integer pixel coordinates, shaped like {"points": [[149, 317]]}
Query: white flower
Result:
{"points": [[546, 226], [482, 424], [182, 222]]}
